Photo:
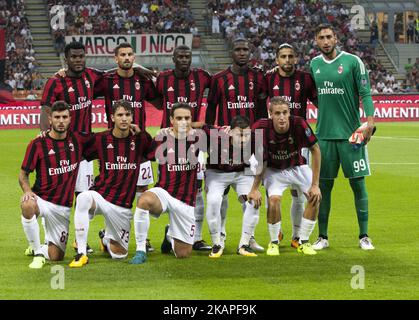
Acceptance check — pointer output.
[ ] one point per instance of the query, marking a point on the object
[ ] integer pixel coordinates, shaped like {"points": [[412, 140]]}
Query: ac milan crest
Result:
{"points": [[132, 145], [137, 86], [251, 85], [297, 86], [192, 86], [71, 146], [87, 83], [340, 69]]}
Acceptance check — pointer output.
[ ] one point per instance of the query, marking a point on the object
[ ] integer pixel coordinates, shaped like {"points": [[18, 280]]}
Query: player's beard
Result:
{"points": [[287, 70], [328, 53], [59, 130], [126, 66]]}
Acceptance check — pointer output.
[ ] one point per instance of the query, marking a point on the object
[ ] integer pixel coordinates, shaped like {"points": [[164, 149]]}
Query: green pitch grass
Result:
{"points": [[391, 271]]}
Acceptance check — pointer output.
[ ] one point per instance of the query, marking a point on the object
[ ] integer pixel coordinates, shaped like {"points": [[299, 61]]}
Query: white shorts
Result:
{"points": [[298, 178], [145, 176], [85, 176], [201, 166], [217, 181], [117, 219], [57, 221], [181, 216]]}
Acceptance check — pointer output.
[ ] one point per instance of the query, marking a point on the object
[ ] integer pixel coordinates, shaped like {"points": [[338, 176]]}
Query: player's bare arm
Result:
{"points": [[369, 130], [44, 124], [314, 193], [255, 195], [25, 185]]}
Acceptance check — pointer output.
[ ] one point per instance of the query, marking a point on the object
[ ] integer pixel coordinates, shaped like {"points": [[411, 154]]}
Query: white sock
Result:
{"points": [[81, 220], [250, 221], [199, 216], [141, 226], [214, 217], [274, 230], [306, 229], [297, 211], [31, 229], [44, 251], [223, 211], [45, 230]]}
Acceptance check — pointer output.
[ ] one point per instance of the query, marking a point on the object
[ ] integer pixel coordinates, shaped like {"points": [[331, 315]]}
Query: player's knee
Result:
{"points": [[183, 253], [55, 255], [116, 251], [145, 201], [213, 199], [274, 201], [29, 209]]}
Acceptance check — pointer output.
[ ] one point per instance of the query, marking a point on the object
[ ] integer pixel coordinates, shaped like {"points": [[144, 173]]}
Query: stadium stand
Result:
{"points": [[268, 23], [124, 17], [21, 70]]}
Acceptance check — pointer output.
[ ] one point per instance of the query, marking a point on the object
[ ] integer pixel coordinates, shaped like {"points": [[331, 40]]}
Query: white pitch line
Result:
{"points": [[395, 163], [396, 138]]}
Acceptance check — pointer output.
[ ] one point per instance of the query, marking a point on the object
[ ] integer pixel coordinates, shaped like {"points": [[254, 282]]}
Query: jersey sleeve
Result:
{"points": [[159, 85], [362, 82], [31, 157], [308, 138], [49, 95]]}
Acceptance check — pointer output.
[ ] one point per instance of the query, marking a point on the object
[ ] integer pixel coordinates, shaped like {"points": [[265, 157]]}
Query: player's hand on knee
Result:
{"points": [[255, 197], [314, 195], [28, 196]]}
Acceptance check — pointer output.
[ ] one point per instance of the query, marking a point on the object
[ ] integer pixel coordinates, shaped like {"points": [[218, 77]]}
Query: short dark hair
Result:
{"points": [[122, 104], [278, 101], [73, 45], [323, 26], [181, 47], [59, 105], [239, 121], [179, 105], [240, 39], [123, 45], [283, 46]]}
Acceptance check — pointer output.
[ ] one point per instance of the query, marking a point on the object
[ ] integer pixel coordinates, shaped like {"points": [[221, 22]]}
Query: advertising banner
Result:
{"points": [[144, 44], [25, 114]]}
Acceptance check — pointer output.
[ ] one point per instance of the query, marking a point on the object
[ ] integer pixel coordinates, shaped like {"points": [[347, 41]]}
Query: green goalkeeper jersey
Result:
{"points": [[340, 83]]}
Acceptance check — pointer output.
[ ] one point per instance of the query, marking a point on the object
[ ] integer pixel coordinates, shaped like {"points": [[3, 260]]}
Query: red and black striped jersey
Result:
{"points": [[78, 93], [224, 156], [178, 164], [296, 89], [56, 163], [236, 94], [284, 150], [133, 89], [188, 90], [119, 165]]}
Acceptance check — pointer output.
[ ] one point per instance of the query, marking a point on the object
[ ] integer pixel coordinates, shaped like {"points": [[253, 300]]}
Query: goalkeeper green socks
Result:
{"points": [[361, 203]]}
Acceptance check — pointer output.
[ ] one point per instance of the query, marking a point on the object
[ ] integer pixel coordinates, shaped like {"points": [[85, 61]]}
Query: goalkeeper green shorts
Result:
{"points": [[354, 162]]}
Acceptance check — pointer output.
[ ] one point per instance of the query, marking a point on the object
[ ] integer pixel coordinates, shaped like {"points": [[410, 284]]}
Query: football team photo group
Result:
{"points": [[237, 187]]}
